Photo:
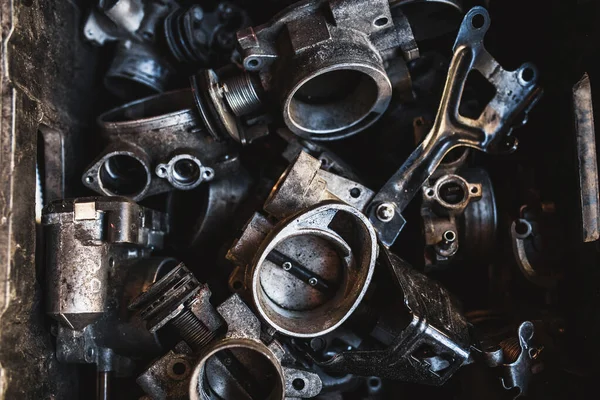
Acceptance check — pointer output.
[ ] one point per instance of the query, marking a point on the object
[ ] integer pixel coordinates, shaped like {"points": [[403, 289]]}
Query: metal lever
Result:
{"points": [[516, 93]]}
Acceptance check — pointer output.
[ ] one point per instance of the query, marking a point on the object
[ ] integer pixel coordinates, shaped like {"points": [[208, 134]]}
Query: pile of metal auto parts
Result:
{"points": [[228, 245]]}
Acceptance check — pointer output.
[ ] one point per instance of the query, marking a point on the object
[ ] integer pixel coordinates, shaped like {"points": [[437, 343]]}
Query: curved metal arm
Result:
{"points": [[516, 93]]}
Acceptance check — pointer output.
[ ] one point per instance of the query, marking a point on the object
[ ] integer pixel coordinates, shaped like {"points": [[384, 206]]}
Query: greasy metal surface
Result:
{"points": [[518, 373], [336, 228], [587, 158], [516, 93], [153, 132], [86, 239], [327, 45], [436, 326]]}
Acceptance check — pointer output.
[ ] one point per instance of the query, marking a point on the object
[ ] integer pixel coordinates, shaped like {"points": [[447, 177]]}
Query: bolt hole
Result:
{"points": [[522, 227], [179, 368], [381, 21], [207, 174], [253, 62], [474, 190], [527, 74], [478, 21], [430, 193], [324, 162], [89, 179], [298, 384], [374, 382], [355, 192], [449, 236], [237, 285], [111, 262]]}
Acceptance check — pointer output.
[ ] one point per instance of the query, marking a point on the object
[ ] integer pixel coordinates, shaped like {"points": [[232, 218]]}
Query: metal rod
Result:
{"points": [[103, 385]]}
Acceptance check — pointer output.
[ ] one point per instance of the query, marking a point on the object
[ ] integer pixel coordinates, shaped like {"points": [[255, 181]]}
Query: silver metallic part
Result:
{"points": [[241, 366], [185, 172], [516, 93], [99, 31], [325, 255], [170, 302], [156, 130], [241, 95], [523, 355], [385, 212], [522, 233], [169, 376], [86, 239], [304, 184], [587, 159], [127, 14]]}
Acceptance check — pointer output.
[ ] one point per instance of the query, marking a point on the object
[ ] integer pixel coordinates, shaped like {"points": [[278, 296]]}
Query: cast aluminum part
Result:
{"points": [[327, 45], [242, 366], [157, 144], [115, 341], [455, 210], [434, 345], [316, 263], [86, 238], [516, 93]]}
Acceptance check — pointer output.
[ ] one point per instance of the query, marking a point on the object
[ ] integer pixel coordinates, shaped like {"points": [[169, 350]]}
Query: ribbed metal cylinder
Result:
{"points": [[241, 95], [192, 330], [511, 348]]}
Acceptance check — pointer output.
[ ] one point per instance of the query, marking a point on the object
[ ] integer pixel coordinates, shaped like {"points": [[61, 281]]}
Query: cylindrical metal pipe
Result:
{"points": [[103, 385]]}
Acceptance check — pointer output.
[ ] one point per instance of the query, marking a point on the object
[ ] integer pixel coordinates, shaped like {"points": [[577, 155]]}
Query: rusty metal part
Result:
{"points": [[170, 301], [156, 144], [587, 158], [328, 44], [453, 217], [86, 238], [516, 93], [429, 349], [242, 366], [305, 183]]}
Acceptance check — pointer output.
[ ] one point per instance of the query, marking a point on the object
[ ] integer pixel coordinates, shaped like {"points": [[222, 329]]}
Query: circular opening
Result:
{"points": [[374, 382], [207, 174], [240, 373], [253, 62], [179, 368], [381, 21], [332, 101], [89, 179], [430, 193], [186, 172], [474, 190], [290, 275], [355, 193], [449, 236], [298, 384], [478, 21], [527, 74], [522, 227], [123, 175], [451, 192]]}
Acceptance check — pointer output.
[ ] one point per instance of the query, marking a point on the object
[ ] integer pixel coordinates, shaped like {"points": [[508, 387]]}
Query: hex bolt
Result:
{"points": [[313, 281], [385, 212], [287, 266]]}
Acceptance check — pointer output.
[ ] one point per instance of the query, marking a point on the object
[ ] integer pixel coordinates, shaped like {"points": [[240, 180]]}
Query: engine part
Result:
{"points": [[86, 238], [241, 366], [137, 71], [305, 183], [429, 349], [175, 300], [456, 211], [316, 263], [156, 144], [196, 36], [327, 45], [587, 159], [516, 92]]}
